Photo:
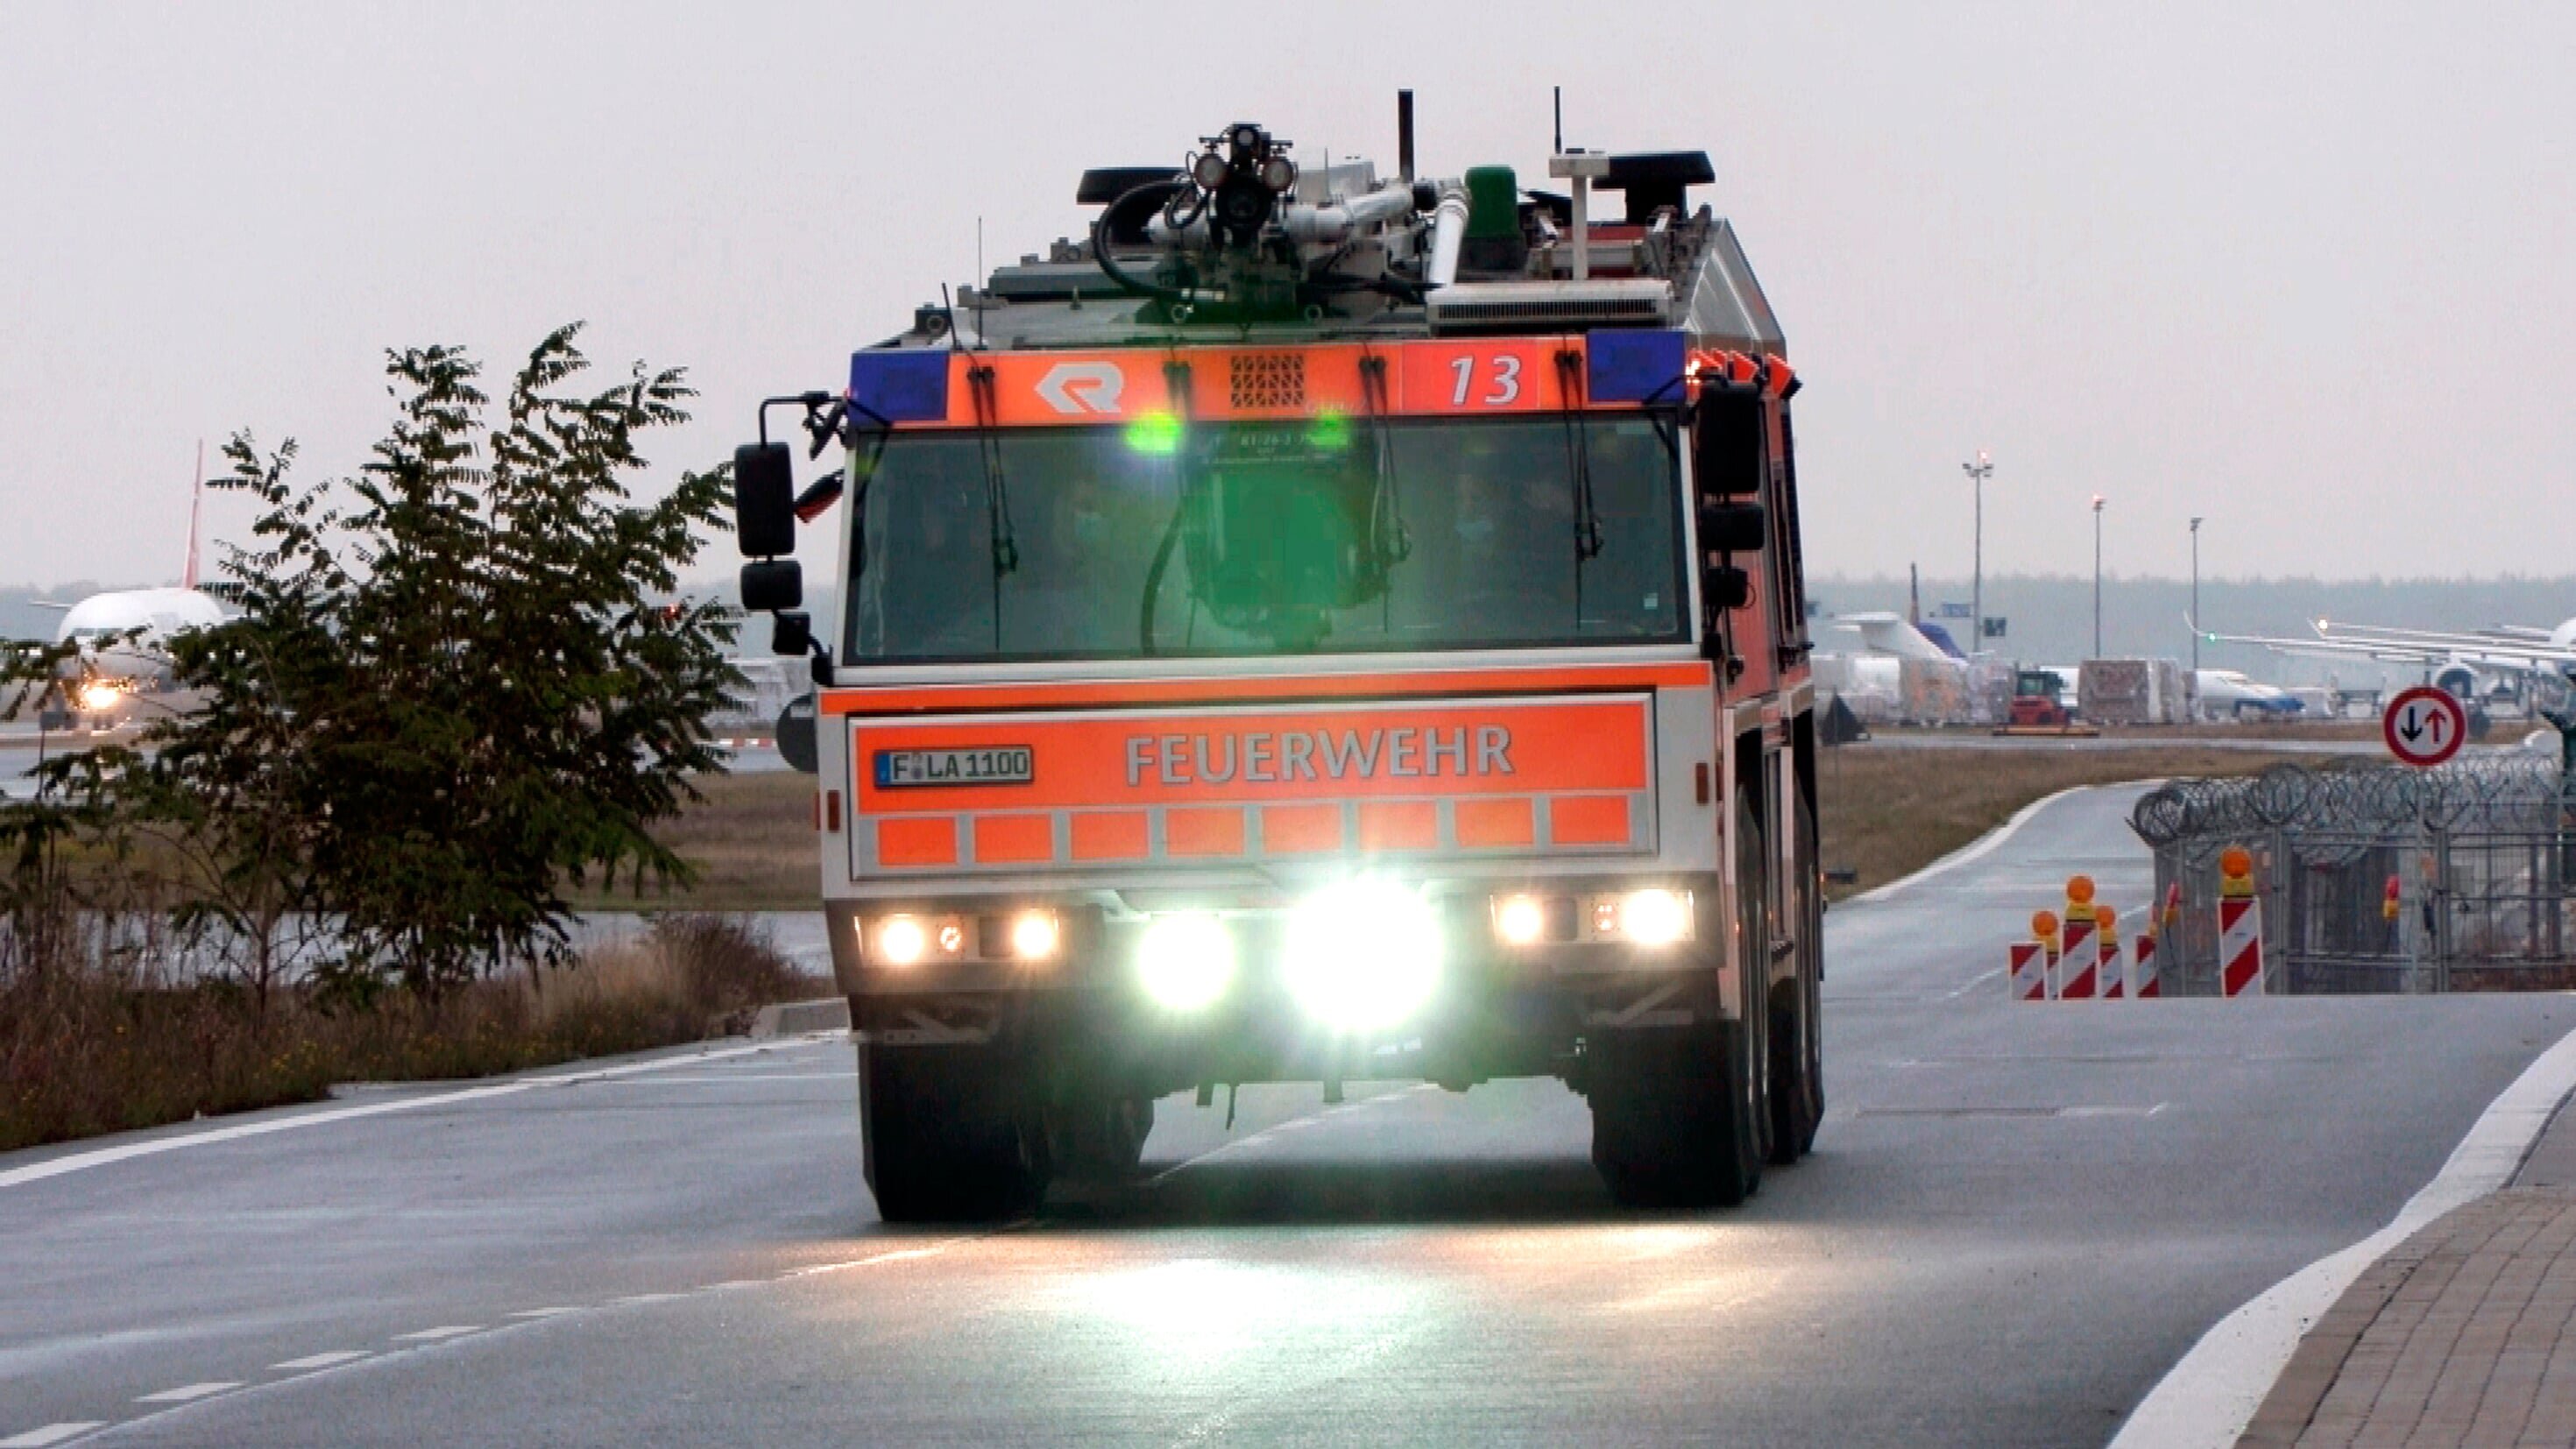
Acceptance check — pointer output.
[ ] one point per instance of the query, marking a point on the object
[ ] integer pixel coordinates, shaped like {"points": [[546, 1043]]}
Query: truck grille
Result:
{"points": [[1267, 380]]}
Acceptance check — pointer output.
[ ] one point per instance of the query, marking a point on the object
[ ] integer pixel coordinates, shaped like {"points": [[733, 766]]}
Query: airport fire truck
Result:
{"points": [[1324, 626]]}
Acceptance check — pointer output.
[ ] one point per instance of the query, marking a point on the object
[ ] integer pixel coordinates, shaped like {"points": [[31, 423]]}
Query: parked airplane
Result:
{"points": [[2229, 692], [1872, 679], [124, 634], [2474, 665]]}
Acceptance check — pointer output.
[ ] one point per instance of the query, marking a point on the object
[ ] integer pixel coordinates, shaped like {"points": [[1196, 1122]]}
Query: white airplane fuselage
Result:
{"points": [[150, 616]]}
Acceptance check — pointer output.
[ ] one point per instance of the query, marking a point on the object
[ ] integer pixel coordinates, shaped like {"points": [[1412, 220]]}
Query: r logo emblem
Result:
{"points": [[1073, 388]]}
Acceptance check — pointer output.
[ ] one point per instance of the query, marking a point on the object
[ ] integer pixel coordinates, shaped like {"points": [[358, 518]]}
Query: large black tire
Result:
{"points": [[1102, 1139], [951, 1135], [1797, 1054], [1673, 1119]]}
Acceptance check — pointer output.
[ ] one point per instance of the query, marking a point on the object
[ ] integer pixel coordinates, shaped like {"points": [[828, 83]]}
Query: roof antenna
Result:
{"points": [[1403, 136], [1560, 121]]}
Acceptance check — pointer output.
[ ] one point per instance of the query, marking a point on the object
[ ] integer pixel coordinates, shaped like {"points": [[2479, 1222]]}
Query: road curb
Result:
{"points": [[2208, 1398], [802, 1018], [1979, 848]]}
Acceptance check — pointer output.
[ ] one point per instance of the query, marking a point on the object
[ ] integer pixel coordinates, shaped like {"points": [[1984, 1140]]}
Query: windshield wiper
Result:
{"points": [[1578, 468], [997, 490], [1176, 386]]}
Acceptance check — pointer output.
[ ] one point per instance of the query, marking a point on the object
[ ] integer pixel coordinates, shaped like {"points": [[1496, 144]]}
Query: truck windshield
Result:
{"points": [[1312, 536]]}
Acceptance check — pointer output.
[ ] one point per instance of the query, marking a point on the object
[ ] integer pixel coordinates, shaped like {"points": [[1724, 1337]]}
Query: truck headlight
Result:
{"points": [[1185, 963], [902, 940], [1655, 917], [1363, 955], [1520, 920], [1035, 935]]}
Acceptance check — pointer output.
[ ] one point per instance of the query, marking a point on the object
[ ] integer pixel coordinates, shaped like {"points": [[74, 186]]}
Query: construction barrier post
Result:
{"points": [[2026, 970], [2043, 933], [2081, 959], [2106, 921], [2240, 925], [2143, 985]]}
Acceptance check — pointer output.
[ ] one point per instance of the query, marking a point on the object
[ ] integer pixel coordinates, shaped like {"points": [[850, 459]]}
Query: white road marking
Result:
{"points": [[51, 1434], [325, 1360], [1980, 979], [898, 1255], [101, 1157], [645, 1298], [432, 1335], [729, 1078], [1975, 850], [2210, 1396], [542, 1312], [186, 1393]]}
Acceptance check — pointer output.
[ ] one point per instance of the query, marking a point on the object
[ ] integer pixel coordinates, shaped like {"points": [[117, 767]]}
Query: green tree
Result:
{"points": [[451, 686]]}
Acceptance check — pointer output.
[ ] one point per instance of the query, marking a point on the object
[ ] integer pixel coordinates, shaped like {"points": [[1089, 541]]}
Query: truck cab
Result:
{"points": [[1318, 628]]}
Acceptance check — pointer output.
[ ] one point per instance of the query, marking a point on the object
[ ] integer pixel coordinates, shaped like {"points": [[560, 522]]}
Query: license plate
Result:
{"points": [[990, 765]]}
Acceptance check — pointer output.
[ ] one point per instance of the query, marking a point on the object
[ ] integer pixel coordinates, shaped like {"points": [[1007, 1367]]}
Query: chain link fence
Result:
{"points": [[2377, 878]]}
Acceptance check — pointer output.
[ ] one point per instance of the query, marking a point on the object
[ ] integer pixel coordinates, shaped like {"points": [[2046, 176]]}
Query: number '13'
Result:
{"points": [[1505, 382]]}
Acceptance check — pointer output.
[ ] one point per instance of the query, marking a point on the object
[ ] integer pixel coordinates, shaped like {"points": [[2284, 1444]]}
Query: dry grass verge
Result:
{"points": [[1891, 811], [87, 1049], [752, 842]]}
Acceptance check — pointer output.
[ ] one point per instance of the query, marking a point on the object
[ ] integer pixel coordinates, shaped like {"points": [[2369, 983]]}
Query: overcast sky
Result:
{"points": [[2309, 271]]}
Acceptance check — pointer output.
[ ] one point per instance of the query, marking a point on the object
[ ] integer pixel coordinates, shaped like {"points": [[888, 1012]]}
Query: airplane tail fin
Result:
{"points": [[196, 504]]}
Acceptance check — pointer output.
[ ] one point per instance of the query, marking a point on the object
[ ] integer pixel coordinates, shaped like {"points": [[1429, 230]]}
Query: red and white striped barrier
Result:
{"points": [[2079, 962], [2143, 984], [2240, 925], [2027, 972], [2113, 979], [2240, 946]]}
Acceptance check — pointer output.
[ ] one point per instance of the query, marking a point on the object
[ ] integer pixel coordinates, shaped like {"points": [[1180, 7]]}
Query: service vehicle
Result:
{"points": [[1324, 626], [2039, 706]]}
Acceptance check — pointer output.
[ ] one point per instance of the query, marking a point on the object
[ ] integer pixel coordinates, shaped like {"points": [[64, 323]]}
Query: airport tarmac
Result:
{"points": [[2016, 1219]]}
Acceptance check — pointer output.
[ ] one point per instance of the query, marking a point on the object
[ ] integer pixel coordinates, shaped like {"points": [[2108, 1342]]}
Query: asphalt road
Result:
{"points": [[2016, 1219]]}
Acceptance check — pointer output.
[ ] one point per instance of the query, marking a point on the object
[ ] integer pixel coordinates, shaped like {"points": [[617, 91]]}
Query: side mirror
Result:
{"points": [[792, 634], [1725, 590], [1727, 443], [764, 501], [771, 585], [1730, 528]]}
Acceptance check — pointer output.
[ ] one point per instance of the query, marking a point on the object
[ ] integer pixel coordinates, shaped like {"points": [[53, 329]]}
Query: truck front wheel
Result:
{"points": [[1674, 1115], [950, 1134]]}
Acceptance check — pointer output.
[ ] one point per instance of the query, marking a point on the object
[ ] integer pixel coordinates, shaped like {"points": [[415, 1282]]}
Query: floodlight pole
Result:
{"points": [[2097, 575], [2195, 596], [1978, 472]]}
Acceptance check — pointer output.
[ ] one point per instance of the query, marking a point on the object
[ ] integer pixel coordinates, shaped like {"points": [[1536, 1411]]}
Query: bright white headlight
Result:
{"points": [[901, 940], [1519, 920], [1035, 935], [1185, 963], [1655, 918], [1363, 955]]}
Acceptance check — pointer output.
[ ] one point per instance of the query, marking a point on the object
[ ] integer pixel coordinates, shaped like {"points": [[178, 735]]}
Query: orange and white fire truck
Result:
{"points": [[1322, 627]]}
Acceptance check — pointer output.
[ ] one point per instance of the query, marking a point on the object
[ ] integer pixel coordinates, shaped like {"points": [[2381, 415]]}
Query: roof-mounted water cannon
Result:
{"points": [[1236, 237], [1241, 176]]}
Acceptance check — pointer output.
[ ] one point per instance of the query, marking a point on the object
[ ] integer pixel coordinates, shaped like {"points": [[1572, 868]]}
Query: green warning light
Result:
{"points": [[1330, 432], [1156, 435]]}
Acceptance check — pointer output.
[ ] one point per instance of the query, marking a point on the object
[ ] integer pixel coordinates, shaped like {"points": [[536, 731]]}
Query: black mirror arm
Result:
{"points": [[812, 402]]}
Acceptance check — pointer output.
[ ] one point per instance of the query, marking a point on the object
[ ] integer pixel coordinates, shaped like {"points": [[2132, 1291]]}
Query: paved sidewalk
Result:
{"points": [[2464, 1335]]}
